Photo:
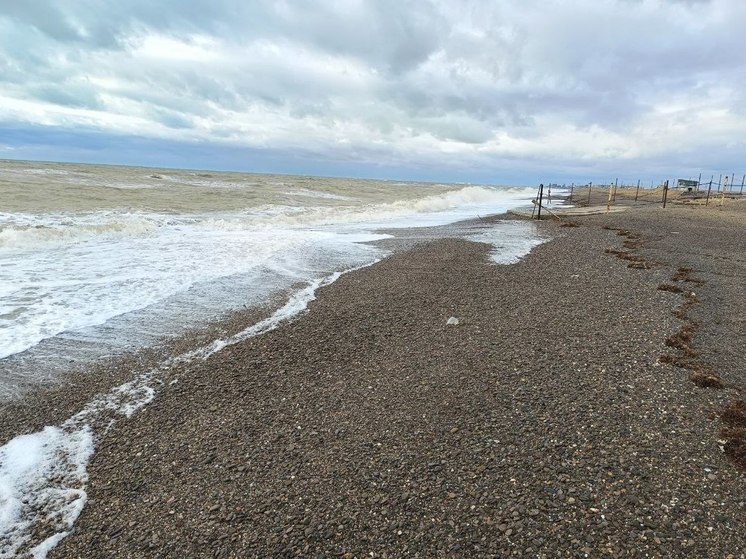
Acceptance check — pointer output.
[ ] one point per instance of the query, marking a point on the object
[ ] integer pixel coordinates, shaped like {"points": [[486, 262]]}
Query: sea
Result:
{"points": [[98, 261]]}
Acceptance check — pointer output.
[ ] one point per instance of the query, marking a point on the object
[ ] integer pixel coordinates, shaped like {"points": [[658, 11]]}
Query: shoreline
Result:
{"points": [[105, 373], [498, 435], [52, 401]]}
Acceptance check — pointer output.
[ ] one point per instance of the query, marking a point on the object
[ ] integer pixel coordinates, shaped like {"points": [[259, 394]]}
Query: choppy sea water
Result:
{"points": [[100, 259], [96, 260]]}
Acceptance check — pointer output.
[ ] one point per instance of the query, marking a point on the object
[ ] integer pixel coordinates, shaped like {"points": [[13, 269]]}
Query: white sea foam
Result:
{"points": [[511, 240], [45, 171], [42, 478], [68, 272], [297, 303], [43, 475], [123, 265]]}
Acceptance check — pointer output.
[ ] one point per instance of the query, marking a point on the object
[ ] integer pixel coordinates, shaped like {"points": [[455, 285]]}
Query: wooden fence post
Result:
{"points": [[541, 196], [608, 200], [722, 193]]}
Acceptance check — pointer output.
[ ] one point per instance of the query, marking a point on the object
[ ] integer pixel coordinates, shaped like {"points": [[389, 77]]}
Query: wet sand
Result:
{"points": [[547, 423]]}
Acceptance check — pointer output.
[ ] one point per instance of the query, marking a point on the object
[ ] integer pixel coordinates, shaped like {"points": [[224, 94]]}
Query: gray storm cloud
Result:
{"points": [[480, 81]]}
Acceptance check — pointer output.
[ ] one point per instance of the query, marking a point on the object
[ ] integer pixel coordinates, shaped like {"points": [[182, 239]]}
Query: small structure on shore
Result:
{"points": [[687, 184]]}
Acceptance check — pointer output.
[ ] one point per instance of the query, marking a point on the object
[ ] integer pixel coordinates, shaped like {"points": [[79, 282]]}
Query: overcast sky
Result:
{"points": [[475, 90]]}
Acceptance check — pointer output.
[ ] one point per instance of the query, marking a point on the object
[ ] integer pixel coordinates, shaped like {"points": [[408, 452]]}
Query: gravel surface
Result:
{"points": [[543, 424]]}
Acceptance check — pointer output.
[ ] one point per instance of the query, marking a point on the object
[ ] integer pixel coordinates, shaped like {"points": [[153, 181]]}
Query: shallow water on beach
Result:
{"points": [[99, 261], [95, 259]]}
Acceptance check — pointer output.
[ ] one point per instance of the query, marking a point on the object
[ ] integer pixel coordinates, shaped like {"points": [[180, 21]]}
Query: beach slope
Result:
{"points": [[543, 424]]}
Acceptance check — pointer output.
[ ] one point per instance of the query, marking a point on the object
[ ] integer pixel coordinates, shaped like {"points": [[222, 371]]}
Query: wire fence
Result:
{"points": [[724, 183], [690, 190]]}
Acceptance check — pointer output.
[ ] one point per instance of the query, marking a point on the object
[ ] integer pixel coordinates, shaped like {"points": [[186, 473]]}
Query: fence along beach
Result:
{"points": [[546, 420]]}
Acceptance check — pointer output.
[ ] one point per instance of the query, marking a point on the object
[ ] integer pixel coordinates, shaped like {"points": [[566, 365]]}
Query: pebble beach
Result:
{"points": [[554, 417]]}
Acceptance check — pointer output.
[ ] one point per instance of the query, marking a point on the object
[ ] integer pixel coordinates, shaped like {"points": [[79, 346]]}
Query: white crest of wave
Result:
{"points": [[466, 196], [305, 192], [474, 198], [24, 232], [60, 230], [462, 199]]}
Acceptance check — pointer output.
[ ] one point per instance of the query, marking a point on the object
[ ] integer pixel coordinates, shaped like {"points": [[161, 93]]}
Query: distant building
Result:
{"points": [[687, 184]]}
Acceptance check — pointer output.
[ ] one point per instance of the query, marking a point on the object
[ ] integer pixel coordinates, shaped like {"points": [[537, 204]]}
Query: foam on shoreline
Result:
{"points": [[43, 475]]}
